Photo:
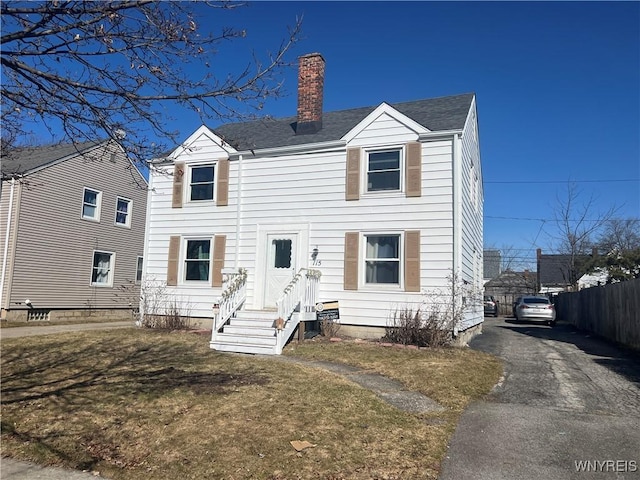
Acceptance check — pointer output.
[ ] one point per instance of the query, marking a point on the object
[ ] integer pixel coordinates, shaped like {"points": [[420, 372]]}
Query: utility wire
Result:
{"points": [[563, 181], [553, 220]]}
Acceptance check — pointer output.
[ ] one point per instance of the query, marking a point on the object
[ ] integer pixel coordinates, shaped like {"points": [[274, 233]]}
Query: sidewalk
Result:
{"points": [[15, 332], [11, 469]]}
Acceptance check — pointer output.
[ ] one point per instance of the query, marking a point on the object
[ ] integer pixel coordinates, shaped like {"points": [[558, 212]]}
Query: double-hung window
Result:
{"points": [[102, 270], [91, 200], [382, 259], [201, 183], [123, 212], [139, 269], [197, 262], [383, 170]]}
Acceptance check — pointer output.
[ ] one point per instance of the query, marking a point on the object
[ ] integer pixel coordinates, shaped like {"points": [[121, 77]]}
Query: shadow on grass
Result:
{"points": [[75, 381], [43, 371]]}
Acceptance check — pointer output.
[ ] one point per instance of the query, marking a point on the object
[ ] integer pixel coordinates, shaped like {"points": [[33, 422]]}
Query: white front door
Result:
{"points": [[281, 265]]}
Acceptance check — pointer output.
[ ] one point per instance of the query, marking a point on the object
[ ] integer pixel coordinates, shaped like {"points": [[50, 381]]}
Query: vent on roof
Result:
{"points": [[310, 93]]}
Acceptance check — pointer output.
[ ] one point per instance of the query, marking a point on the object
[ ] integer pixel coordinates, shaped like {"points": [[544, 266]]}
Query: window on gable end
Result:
{"points": [[91, 202], [201, 182], [384, 170], [123, 212]]}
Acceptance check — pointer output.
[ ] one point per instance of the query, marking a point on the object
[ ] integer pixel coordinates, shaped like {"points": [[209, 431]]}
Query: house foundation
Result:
{"points": [[94, 315]]}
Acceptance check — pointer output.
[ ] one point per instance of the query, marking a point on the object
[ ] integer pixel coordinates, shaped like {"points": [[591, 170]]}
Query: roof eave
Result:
{"points": [[289, 149]]}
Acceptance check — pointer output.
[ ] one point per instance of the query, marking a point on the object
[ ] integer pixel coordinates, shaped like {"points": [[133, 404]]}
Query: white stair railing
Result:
{"points": [[300, 294], [234, 293]]}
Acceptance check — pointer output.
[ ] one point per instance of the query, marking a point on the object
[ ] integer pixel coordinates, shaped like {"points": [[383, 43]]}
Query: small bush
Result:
{"points": [[329, 328], [171, 319], [409, 326], [161, 310]]}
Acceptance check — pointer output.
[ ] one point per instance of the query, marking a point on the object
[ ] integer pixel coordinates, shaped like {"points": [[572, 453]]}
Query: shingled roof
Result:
{"points": [[21, 161], [436, 114], [555, 270]]}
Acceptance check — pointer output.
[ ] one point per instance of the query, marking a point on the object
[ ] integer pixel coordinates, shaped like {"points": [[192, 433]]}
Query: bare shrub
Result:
{"points": [[160, 309], [435, 321], [410, 325], [329, 327]]}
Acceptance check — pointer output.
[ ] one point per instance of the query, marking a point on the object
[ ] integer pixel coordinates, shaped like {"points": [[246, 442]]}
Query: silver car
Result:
{"points": [[536, 308]]}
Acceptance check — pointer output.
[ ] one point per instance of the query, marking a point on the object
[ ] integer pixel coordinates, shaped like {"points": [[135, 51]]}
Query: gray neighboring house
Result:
{"points": [[72, 219], [559, 272], [492, 264]]}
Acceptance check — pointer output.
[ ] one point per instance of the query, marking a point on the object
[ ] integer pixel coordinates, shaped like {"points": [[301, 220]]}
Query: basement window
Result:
{"points": [[38, 315]]}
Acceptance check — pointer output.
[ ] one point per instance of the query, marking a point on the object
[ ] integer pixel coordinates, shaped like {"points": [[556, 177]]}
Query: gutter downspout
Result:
{"points": [[6, 243], [145, 251], [238, 213], [457, 223]]}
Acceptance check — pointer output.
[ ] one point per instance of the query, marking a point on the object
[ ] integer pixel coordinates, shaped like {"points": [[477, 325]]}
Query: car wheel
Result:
{"points": [[496, 314], [552, 323]]}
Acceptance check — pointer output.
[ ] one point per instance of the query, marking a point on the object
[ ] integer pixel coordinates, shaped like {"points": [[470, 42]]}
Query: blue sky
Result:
{"points": [[557, 85]]}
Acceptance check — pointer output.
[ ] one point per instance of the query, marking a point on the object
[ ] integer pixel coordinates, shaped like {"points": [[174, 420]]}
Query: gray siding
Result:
{"points": [[54, 252]]}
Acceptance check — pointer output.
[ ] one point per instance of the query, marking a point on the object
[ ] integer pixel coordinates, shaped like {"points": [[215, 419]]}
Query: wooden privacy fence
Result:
{"points": [[611, 311]]}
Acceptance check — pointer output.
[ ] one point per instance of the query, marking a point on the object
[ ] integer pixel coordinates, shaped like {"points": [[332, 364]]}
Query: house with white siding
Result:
{"points": [[72, 219], [256, 225]]}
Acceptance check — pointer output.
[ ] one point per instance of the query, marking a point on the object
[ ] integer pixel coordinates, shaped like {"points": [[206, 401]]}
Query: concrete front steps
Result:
{"points": [[250, 331]]}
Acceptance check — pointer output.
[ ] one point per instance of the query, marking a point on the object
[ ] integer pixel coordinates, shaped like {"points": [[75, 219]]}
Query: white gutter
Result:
{"points": [[305, 147], [446, 134], [238, 213], [6, 241]]}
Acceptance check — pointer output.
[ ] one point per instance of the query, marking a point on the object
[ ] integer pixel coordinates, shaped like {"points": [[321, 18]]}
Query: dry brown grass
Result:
{"points": [[140, 404]]}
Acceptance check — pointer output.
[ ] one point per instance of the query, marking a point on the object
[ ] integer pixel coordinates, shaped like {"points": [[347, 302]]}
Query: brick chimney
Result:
{"points": [[310, 93]]}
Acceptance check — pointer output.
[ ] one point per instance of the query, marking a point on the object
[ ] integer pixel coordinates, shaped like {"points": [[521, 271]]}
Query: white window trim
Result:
{"points": [[112, 268], [98, 205], [190, 168], [183, 260], [365, 170], [127, 224], [362, 263], [141, 269]]}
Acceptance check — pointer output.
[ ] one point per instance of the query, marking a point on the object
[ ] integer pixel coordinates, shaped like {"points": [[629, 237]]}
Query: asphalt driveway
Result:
{"points": [[568, 407]]}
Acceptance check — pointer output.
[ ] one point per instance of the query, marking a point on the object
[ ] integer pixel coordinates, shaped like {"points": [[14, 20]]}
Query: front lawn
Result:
{"points": [[136, 404]]}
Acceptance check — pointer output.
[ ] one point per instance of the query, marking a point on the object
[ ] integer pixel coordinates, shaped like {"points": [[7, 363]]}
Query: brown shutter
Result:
{"points": [[222, 188], [173, 260], [219, 243], [178, 182], [353, 174], [412, 261], [413, 171], [351, 244]]}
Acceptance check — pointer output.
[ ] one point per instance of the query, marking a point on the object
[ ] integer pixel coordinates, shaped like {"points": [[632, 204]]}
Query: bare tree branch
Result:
{"points": [[578, 222], [88, 70]]}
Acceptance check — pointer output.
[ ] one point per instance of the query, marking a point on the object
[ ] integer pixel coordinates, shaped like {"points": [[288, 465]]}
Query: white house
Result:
{"points": [[370, 207]]}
